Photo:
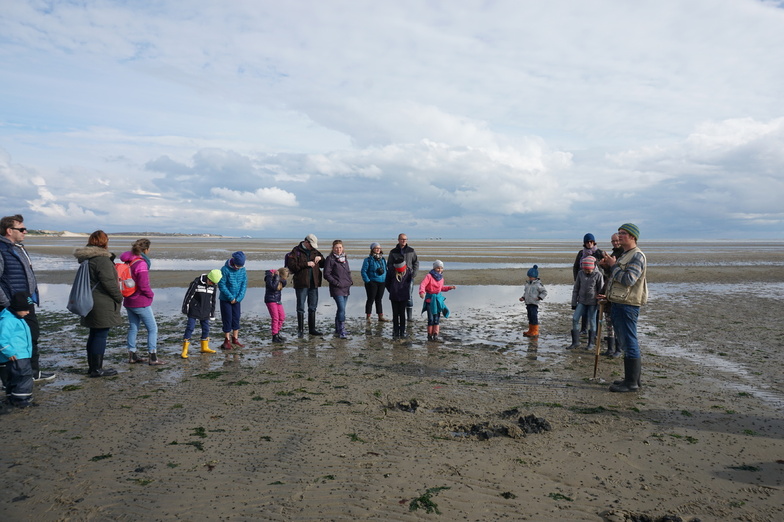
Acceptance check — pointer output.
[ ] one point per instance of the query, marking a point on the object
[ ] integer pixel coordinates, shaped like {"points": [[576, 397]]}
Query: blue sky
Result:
{"points": [[497, 119]]}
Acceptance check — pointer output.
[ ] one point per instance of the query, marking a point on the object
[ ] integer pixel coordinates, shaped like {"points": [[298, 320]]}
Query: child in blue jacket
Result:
{"points": [[16, 350]]}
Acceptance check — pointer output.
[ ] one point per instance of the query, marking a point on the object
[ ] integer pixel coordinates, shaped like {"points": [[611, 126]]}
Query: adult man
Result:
{"points": [[402, 250], [16, 275], [628, 291], [613, 350], [305, 263]]}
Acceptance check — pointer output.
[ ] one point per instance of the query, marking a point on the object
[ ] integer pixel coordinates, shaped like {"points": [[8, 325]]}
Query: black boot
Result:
{"points": [[591, 340], [410, 313], [632, 369], [300, 325], [610, 347], [95, 365], [575, 340], [278, 339], [312, 324]]}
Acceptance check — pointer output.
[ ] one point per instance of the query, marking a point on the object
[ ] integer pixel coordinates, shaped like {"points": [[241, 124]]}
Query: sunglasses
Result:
{"points": [[22, 229]]}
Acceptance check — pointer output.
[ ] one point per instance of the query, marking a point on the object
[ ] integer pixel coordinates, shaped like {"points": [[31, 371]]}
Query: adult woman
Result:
{"points": [[338, 274], [374, 274], [139, 304], [107, 298]]}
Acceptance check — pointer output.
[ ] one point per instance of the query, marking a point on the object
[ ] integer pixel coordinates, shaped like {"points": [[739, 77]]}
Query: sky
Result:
{"points": [[509, 119]]}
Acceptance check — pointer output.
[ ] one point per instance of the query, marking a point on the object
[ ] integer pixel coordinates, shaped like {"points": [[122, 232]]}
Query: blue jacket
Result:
{"points": [[370, 270], [16, 272], [15, 338], [233, 284]]}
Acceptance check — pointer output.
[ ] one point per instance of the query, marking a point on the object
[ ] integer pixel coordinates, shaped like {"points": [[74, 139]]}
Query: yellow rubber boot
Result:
{"points": [[185, 344], [205, 346]]}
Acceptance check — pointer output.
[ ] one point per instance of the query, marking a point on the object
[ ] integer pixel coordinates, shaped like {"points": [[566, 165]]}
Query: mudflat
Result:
{"points": [[487, 425]]}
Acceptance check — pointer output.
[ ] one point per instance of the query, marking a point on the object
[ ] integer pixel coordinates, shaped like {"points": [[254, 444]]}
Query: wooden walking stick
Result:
{"points": [[598, 340]]}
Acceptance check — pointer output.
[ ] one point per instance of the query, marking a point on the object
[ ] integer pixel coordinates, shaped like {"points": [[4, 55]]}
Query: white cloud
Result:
{"points": [[520, 118]]}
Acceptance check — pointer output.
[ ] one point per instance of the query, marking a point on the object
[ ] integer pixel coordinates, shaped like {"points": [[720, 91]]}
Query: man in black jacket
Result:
{"points": [[409, 254]]}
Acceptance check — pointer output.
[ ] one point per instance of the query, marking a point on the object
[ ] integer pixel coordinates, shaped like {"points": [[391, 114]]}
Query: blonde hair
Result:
{"points": [[283, 273]]}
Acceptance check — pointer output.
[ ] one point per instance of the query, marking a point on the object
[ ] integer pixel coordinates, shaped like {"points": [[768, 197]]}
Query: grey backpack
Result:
{"points": [[80, 300]]}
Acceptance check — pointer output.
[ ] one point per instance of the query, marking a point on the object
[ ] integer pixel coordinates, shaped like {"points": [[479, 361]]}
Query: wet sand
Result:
{"points": [[371, 429]]}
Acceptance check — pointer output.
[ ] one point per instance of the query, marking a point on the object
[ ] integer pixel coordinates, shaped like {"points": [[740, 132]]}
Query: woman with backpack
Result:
{"points": [[139, 303], [107, 300]]}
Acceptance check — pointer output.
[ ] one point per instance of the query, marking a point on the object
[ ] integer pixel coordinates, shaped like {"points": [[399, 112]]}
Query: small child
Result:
{"points": [[232, 286], [587, 287], [275, 280], [398, 284], [16, 349], [199, 305], [430, 290], [533, 293]]}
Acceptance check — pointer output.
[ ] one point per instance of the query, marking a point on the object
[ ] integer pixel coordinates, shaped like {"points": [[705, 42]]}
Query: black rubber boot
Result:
{"points": [[632, 369], [312, 324], [277, 339], [575, 340], [95, 364], [300, 325], [591, 340], [610, 347]]}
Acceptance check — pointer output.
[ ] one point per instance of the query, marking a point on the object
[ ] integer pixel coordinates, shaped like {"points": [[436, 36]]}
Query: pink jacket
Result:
{"points": [[430, 286], [143, 295]]}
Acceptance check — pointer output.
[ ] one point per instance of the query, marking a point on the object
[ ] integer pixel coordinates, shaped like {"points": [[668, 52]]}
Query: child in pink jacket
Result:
{"points": [[430, 290]]}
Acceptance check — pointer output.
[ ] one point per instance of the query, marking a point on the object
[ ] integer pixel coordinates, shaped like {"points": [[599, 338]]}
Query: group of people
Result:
{"points": [[394, 275], [615, 282], [619, 282]]}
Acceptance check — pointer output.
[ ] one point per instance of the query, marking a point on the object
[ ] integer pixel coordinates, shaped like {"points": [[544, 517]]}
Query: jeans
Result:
{"points": [[96, 340], [137, 316], [624, 319], [433, 319], [340, 302], [590, 315], [277, 316], [205, 328], [311, 294], [533, 313], [230, 315], [375, 293]]}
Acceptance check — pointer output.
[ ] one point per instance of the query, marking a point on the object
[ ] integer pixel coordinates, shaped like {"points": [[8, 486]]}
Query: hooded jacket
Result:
{"points": [[234, 282], [15, 337], [199, 300], [143, 295], [106, 294]]}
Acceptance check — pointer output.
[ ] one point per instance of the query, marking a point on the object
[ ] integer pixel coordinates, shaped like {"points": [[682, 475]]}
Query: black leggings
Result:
{"points": [[375, 291]]}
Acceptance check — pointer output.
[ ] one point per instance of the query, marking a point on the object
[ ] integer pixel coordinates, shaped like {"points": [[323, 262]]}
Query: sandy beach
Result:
{"points": [[487, 425]]}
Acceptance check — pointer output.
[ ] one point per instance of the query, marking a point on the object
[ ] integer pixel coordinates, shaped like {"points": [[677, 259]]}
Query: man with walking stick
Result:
{"points": [[627, 291]]}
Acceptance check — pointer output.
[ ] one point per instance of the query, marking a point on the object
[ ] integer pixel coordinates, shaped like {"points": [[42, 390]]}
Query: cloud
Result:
{"points": [[501, 118]]}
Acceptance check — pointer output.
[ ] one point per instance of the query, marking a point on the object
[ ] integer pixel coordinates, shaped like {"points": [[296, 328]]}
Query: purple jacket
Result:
{"points": [[143, 295], [338, 275]]}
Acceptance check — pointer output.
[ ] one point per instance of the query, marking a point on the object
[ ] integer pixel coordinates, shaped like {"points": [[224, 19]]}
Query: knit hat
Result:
{"points": [[588, 237], [588, 262], [438, 264], [238, 259], [400, 266], [534, 272], [215, 275], [312, 239], [21, 302], [632, 229]]}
